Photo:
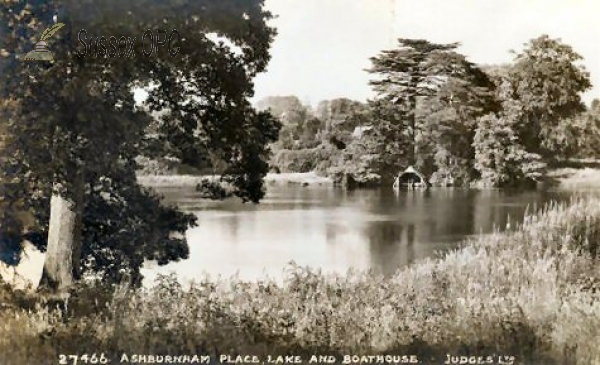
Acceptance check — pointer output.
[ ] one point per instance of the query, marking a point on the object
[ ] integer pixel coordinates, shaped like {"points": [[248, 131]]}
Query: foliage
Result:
{"points": [[532, 293], [390, 138], [585, 130], [289, 109], [299, 128], [340, 119], [414, 71], [547, 81], [76, 116], [302, 160], [371, 144], [499, 156], [440, 94], [416, 68], [451, 121], [359, 163], [310, 142]]}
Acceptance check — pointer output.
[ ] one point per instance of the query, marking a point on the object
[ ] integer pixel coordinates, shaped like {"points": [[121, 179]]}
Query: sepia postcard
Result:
{"points": [[299, 182]]}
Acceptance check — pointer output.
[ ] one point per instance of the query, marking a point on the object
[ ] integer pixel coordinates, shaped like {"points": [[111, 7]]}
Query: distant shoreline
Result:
{"points": [[577, 178], [566, 178], [307, 178]]}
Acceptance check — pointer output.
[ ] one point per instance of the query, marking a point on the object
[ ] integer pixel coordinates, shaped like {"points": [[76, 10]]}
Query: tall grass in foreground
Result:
{"points": [[532, 293]]}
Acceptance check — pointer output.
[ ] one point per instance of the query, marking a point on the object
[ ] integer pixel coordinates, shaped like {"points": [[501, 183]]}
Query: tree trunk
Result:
{"points": [[412, 114], [61, 265]]}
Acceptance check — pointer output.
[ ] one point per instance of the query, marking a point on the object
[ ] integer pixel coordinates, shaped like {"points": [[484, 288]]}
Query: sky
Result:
{"points": [[324, 46]]}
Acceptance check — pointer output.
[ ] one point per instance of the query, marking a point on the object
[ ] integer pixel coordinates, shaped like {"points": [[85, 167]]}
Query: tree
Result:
{"points": [[541, 116], [296, 118], [450, 122], [337, 114], [440, 94], [591, 131], [288, 108], [548, 82], [314, 141], [414, 71], [361, 161], [339, 119], [390, 138], [76, 132], [378, 151], [499, 157], [581, 134]]}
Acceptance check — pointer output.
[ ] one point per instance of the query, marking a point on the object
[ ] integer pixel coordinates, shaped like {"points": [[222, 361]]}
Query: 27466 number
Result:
{"points": [[82, 359]]}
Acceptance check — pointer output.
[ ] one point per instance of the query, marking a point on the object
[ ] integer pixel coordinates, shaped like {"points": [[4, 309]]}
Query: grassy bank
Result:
{"points": [[532, 293], [577, 178]]}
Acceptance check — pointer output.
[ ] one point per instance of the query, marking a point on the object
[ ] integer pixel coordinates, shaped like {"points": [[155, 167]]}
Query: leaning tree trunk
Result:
{"points": [[63, 253]]}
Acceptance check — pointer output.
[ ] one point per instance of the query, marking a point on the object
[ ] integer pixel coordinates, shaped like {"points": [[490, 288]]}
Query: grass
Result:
{"points": [[532, 293]]}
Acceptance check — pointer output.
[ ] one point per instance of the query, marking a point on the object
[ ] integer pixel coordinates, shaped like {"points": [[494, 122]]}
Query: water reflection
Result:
{"points": [[390, 246], [336, 229]]}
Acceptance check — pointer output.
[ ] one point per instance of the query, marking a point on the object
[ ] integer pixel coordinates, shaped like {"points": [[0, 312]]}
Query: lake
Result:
{"points": [[336, 229]]}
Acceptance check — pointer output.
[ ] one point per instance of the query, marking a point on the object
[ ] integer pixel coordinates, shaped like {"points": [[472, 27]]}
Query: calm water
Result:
{"points": [[336, 230]]}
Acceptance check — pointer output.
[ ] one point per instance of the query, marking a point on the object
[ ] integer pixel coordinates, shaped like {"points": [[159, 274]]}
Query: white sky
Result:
{"points": [[323, 46]]}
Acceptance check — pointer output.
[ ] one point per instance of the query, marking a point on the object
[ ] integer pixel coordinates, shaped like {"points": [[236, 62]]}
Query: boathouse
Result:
{"points": [[410, 178]]}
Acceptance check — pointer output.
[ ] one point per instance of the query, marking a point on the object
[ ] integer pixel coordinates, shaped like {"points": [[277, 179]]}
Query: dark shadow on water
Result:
{"points": [[423, 222]]}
